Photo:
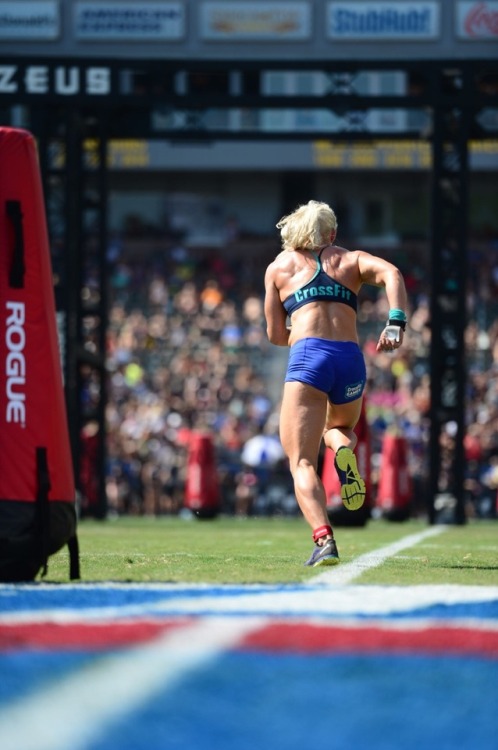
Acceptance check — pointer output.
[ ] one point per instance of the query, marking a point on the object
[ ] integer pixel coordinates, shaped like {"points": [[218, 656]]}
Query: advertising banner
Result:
{"points": [[370, 21], [248, 21], [477, 21], [29, 21], [118, 21]]}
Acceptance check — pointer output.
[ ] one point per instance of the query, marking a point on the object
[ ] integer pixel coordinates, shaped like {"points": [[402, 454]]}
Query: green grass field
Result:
{"points": [[272, 550]]}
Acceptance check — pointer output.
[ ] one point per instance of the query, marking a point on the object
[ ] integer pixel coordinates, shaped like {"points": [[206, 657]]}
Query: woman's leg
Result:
{"points": [[302, 421], [340, 423], [340, 437]]}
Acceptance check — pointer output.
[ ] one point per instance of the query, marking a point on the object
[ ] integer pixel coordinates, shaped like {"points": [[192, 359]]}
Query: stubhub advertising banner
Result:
{"points": [[383, 21]]}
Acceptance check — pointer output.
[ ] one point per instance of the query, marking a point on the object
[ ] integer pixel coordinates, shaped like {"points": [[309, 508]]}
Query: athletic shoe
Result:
{"points": [[327, 554], [352, 485]]}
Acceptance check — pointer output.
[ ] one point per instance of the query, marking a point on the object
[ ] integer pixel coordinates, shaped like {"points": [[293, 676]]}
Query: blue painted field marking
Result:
{"points": [[94, 602], [196, 686]]}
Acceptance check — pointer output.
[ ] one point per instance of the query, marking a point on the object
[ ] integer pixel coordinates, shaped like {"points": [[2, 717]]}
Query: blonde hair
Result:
{"points": [[308, 227]]}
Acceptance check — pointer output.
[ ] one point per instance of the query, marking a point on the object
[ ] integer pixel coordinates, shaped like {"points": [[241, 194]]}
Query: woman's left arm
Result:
{"points": [[379, 272]]}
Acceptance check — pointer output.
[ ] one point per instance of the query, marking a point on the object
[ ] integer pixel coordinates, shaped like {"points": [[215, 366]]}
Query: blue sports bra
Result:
{"points": [[320, 288]]}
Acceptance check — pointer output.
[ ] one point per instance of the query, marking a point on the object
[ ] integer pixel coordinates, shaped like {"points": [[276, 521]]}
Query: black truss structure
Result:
{"points": [[67, 102]]}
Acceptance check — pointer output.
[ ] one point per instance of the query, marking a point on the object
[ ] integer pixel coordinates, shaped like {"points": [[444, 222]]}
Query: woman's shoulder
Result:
{"points": [[286, 256], [338, 249], [337, 255], [285, 260], [284, 267]]}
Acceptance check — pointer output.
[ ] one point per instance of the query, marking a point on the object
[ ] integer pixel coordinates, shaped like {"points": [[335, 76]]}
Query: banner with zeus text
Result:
{"points": [[37, 492]]}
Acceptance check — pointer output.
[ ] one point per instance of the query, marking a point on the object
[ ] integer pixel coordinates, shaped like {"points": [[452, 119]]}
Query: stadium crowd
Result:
{"points": [[187, 351]]}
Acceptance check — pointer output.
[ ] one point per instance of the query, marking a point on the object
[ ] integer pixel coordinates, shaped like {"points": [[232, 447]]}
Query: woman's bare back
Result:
{"points": [[330, 320]]}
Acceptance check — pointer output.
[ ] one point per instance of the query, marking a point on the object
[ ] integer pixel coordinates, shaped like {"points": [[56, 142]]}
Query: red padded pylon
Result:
{"points": [[202, 492], [394, 493], [32, 406]]}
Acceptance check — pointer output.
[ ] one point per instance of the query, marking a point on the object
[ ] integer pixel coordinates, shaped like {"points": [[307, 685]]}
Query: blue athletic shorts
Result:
{"points": [[335, 367]]}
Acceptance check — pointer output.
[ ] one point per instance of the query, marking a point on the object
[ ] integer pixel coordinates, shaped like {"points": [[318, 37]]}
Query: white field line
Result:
{"points": [[74, 711], [347, 572]]}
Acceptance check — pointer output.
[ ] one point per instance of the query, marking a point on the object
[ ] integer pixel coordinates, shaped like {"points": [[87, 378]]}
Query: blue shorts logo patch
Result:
{"points": [[354, 391]]}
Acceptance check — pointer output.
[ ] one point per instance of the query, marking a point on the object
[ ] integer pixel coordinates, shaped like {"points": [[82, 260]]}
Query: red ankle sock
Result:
{"points": [[322, 531]]}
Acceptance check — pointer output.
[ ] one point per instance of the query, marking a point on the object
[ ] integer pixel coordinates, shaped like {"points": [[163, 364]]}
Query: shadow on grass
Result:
{"points": [[468, 566]]}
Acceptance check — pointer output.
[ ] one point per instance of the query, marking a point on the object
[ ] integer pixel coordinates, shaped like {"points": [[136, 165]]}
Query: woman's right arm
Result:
{"points": [[275, 314]]}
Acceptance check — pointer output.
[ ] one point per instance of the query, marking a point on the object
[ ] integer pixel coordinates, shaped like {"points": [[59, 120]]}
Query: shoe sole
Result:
{"points": [[326, 561], [354, 491]]}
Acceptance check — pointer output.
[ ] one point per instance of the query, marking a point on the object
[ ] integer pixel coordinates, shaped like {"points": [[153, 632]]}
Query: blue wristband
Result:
{"points": [[397, 314]]}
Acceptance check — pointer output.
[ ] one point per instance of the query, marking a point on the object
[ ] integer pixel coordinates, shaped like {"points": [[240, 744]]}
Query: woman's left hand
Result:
{"points": [[390, 339]]}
